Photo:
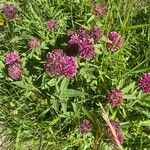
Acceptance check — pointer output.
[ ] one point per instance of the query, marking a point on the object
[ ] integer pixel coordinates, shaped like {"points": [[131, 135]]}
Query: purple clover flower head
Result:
{"points": [[116, 41], [115, 97], [100, 10], [75, 39], [73, 44], [58, 63], [51, 24], [11, 58], [144, 83], [116, 126], [52, 63], [69, 66], [81, 43], [15, 71], [86, 49], [33, 43], [83, 33], [96, 33], [113, 35], [10, 11], [84, 126]]}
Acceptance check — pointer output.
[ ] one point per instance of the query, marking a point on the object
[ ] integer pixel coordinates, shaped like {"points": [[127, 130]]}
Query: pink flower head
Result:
{"points": [[84, 126], [51, 24], [11, 58], [116, 126], [144, 83], [75, 39], [58, 63], [116, 41], [115, 97], [83, 33], [96, 33], [81, 43], [33, 43], [69, 66], [100, 10], [53, 62], [15, 71], [10, 11], [86, 49]]}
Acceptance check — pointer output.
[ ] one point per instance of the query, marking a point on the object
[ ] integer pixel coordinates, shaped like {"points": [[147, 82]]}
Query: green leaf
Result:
{"points": [[129, 96], [90, 19], [120, 85], [2, 65], [73, 93], [51, 82], [87, 113], [145, 123], [55, 120], [1, 75], [128, 88], [43, 113], [64, 84], [21, 84]]}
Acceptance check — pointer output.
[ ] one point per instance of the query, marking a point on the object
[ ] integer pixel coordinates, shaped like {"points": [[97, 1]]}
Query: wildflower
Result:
{"points": [[15, 71], [144, 83], [51, 24], [11, 58], [81, 43], [83, 33], [96, 33], [33, 43], [100, 10], [116, 41], [10, 11], [117, 128], [75, 39], [86, 49], [84, 126], [115, 97], [53, 62], [69, 66], [58, 63]]}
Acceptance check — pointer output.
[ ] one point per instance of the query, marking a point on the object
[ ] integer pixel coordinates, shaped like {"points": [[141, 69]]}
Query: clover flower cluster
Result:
{"points": [[58, 63], [15, 71], [33, 43], [14, 67], [82, 41], [115, 97], [84, 126], [10, 11], [144, 83], [115, 40], [51, 24], [100, 10], [11, 58]]}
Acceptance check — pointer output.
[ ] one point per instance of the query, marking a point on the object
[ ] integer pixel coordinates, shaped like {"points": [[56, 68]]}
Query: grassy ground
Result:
{"points": [[41, 112]]}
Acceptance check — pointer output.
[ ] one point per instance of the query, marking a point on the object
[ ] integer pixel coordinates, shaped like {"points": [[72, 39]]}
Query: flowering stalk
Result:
{"points": [[107, 120]]}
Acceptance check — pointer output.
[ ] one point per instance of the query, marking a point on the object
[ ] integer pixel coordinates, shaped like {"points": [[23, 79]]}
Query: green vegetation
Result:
{"points": [[44, 112]]}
